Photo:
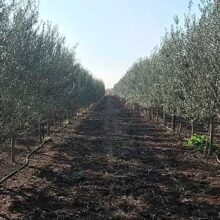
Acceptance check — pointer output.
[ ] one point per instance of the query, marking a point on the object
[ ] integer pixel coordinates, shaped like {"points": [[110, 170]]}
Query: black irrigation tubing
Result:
{"points": [[23, 166]]}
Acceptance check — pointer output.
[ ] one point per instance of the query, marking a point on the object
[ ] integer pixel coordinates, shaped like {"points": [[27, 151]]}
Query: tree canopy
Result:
{"points": [[183, 74], [38, 73]]}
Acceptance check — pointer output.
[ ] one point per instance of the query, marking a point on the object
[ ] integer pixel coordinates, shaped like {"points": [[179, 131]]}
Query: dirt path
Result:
{"points": [[113, 165]]}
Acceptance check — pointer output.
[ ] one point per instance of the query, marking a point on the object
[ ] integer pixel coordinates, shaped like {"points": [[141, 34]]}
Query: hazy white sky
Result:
{"points": [[112, 34]]}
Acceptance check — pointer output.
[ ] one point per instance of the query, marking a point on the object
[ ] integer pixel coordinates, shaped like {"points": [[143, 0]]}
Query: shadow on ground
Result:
{"points": [[114, 165]]}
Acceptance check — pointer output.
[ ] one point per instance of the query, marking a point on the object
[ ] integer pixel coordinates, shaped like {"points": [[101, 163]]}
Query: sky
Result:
{"points": [[112, 34]]}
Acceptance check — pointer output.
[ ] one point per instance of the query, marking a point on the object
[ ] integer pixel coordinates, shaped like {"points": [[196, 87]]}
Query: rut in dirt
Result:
{"points": [[114, 165]]}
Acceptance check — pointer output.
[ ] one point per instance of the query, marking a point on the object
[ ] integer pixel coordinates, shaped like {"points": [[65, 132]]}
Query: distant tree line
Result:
{"points": [[182, 76], [39, 75]]}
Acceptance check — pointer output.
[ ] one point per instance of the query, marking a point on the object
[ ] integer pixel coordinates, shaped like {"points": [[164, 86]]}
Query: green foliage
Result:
{"points": [[196, 141], [199, 142], [183, 73], [39, 75]]}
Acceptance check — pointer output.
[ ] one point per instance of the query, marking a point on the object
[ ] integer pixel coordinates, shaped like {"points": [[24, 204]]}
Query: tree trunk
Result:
{"points": [[39, 130], [26, 139], [157, 117], [211, 134], [173, 122], [207, 143], [164, 118], [152, 113], [48, 128], [180, 126], [43, 131], [148, 114], [12, 147], [60, 123], [55, 122], [138, 109], [26, 135], [145, 113], [193, 127]]}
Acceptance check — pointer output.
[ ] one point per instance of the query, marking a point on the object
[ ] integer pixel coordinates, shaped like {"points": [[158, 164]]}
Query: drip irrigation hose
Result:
{"points": [[23, 166]]}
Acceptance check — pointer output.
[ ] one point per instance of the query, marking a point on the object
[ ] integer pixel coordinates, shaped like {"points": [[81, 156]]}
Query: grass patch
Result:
{"points": [[199, 142]]}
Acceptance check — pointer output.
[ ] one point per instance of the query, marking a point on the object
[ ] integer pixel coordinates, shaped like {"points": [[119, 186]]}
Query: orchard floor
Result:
{"points": [[113, 165]]}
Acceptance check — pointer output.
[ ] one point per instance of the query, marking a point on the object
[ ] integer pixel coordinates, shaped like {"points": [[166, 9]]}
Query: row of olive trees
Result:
{"points": [[39, 75], [182, 76]]}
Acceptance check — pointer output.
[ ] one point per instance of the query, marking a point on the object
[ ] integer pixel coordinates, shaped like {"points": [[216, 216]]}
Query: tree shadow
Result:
{"points": [[110, 174]]}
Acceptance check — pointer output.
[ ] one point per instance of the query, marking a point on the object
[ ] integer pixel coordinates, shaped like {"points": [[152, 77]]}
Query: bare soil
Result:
{"points": [[114, 165]]}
